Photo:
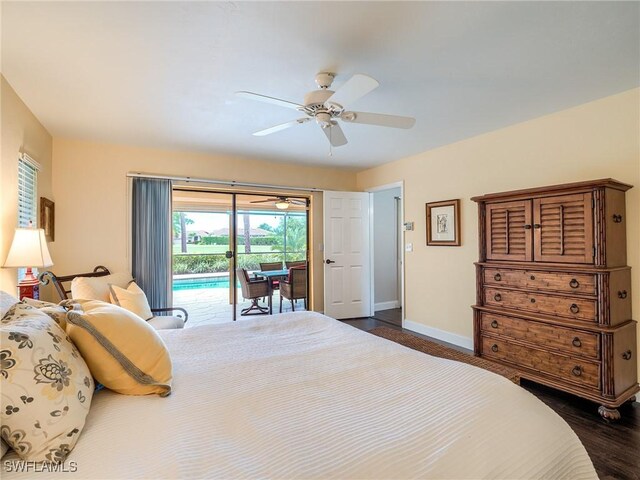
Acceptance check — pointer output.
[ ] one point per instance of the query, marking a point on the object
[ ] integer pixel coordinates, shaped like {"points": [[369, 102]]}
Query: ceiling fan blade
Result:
{"points": [[282, 126], [335, 135], [379, 119], [356, 87], [265, 201], [271, 100]]}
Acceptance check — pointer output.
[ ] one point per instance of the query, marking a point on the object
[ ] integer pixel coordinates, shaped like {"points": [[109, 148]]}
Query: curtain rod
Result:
{"points": [[232, 183]]}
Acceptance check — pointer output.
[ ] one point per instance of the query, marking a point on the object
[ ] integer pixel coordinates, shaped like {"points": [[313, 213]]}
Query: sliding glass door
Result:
{"points": [[225, 242], [203, 255], [268, 239]]}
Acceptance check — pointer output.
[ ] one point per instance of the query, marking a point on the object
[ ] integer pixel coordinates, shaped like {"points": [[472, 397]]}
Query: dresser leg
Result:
{"points": [[609, 413]]}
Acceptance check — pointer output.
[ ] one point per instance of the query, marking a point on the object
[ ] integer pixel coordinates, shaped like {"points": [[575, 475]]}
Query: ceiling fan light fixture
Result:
{"points": [[282, 205], [323, 119]]}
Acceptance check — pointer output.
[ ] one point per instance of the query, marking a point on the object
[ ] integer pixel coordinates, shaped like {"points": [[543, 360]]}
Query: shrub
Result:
{"points": [[224, 240], [200, 263], [215, 240], [214, 263], [263, 241]]}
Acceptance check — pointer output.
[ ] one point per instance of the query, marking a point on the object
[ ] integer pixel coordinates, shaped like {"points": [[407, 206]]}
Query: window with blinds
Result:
{"points": [[27, 192]]}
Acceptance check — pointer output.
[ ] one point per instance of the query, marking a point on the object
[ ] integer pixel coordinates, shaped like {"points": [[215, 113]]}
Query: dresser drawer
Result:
{"points": [[569, 369], [561, 282], [566, 340], [569, 307]]}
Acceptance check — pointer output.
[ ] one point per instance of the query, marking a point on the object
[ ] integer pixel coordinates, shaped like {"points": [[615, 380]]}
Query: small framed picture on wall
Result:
{"points": [[443, 223], [48, 218]]}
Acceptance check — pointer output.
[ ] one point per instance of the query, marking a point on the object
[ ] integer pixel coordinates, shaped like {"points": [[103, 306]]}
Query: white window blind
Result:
{"points": [[27, 191]]}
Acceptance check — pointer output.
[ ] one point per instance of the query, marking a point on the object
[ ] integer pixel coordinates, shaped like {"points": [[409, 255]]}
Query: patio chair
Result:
{"points": [[253, 290], [295, 287], [297, 263]]}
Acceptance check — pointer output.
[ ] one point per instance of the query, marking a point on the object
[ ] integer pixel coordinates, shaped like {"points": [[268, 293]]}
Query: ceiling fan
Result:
{"points": [[283, 203], [327, 106]]}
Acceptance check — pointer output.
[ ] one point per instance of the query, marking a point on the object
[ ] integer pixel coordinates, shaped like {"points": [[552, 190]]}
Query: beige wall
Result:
{"points": [[20, 132], [595, 140], [91, 191]]}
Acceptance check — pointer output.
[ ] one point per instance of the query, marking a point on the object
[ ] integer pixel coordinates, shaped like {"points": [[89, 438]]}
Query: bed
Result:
{"points": [[300, 395]]}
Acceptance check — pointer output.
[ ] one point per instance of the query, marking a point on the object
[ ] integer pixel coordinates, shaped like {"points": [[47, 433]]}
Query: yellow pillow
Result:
{"points": [[123, 352], [131, 298]]}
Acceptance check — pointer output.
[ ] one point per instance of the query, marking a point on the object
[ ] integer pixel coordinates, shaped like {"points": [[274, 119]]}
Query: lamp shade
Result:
{"points": [[29, 249]]}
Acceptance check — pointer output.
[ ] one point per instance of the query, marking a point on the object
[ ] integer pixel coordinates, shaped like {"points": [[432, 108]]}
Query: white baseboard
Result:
{"points": [[443, 335], [386, 305]]}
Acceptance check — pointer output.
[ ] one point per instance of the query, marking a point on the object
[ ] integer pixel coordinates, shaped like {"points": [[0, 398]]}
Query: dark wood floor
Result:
{"points": [[614, 448]]}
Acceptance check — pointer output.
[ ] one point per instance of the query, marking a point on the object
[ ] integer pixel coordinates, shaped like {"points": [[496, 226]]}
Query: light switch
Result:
{"points": [[408, 247]]}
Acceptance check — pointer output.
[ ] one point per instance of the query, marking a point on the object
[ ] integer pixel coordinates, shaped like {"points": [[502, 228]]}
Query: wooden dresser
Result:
{"points": [[554, 290]]}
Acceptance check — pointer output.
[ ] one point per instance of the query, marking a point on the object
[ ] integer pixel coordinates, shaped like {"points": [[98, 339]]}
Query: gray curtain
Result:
{"points": [[151, 230]]}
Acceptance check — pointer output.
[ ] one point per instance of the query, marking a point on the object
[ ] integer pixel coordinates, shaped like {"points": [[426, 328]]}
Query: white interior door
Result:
{"points": [[347, 269]]}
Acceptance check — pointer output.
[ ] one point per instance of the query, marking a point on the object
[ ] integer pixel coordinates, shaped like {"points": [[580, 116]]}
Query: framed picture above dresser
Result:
{"points": [[554, 290]]}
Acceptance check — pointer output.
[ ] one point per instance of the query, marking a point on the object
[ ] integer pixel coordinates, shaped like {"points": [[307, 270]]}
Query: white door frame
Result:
{"points": [[371, 191]]}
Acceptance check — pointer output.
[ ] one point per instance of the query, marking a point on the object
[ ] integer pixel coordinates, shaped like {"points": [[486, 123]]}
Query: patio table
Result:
{"points": [[271, 276]]}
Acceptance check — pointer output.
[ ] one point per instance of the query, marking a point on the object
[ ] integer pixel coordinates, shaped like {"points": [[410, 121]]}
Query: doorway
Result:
{"points": [[215, 233], [387, 254]]}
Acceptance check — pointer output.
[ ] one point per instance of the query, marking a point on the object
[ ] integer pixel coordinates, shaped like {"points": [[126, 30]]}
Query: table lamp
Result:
{"points": [[29, 249]]}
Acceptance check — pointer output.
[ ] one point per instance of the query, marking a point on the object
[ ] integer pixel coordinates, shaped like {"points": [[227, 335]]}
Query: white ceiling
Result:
{"points": [[164, 74]]}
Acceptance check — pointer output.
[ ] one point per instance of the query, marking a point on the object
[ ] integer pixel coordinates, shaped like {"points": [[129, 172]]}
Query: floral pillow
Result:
{"points": [[57, 311], [6, 302], [46, 386]]}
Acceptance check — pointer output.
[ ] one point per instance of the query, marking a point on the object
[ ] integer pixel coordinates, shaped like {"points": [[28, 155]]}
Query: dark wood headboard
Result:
{"points": [[49, 276], [99, 271]]}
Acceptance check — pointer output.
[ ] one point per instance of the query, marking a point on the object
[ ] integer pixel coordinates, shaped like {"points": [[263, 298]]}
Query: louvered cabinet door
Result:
{"points": [[508, 231], [563, 229]]}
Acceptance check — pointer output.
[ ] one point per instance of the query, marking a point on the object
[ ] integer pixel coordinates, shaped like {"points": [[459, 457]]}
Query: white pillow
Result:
{"points": [[131, 298], [6, 302], [97, 288]]}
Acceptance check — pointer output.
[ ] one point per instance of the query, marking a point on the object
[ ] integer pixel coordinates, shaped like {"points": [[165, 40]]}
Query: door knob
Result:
{"points": [[327, 261]]}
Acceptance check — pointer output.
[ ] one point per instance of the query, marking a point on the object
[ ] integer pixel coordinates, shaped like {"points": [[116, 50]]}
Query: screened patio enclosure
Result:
{"points": [[215, 233]]}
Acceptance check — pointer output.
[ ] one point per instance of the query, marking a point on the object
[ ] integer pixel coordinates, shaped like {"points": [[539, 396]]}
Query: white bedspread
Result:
{"points": [[300, 395]]}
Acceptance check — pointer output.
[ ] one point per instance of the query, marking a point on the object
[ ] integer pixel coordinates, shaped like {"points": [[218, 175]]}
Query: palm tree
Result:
{"points": [[180, 222], [247, 233], [296, 235]]}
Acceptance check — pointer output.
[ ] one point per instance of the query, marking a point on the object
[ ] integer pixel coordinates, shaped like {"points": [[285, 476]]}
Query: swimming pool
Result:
{"points": [[200, 283]]}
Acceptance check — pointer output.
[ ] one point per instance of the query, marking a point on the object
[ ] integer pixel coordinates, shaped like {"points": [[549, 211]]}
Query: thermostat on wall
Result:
{"points": [[408, 226]]}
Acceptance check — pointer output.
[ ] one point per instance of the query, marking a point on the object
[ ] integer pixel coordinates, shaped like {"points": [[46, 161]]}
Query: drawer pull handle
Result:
{"points": [[617, 218], [622, 294], [627, 355], [533, 300], [574, 308], [527, 227], [577, 370], [533, 277], [576, 342], [497, 297], [494, 324], [494, 348], [574, 283], [497, 277]]}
